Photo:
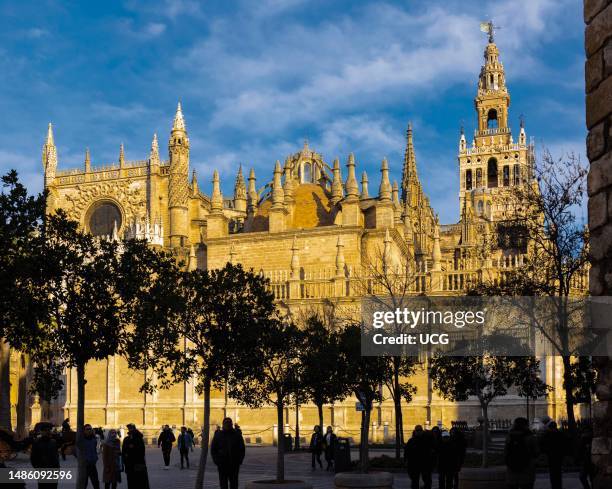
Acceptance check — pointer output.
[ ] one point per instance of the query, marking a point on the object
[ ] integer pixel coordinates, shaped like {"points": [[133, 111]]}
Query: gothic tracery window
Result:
{"points": [[492, 173]]}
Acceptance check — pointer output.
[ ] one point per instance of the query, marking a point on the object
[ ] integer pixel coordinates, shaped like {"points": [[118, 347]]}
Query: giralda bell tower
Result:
{"points": [[494, 162]]}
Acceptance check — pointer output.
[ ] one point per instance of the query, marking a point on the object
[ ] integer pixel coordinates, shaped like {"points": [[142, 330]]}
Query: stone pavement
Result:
{"points": [[259, 463]]}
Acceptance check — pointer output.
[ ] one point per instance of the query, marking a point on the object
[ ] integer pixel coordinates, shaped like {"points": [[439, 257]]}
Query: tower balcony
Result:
{"points": [[493, 131]]}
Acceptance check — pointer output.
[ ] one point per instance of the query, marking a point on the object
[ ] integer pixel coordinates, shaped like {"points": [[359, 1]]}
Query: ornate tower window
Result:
{"points": [[492, 173], [492, 122], [478, 177], [103, 217], [468, 179], [516, 175], [506, 176]]}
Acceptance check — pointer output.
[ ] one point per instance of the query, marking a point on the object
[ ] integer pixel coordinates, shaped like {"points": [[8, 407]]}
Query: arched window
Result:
{"points": [[492, 173], [492, 119], [103, 218], [468, 179], [307, 173], [480, 207], [506, 176], [516, 177], [478, 177]]}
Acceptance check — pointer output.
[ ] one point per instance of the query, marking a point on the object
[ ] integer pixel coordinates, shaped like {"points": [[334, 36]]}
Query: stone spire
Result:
{"points": [[154, 154], [397, 207], [87, 161], [253, 197], [352, 189], [384, 191], [49, 156], [278, 196], [240, 192], [216, 200], [364, 186], [121, 156], [410, 178], [336, 188], [194, 183], [179, 121], [288, 186], [340, 262]]}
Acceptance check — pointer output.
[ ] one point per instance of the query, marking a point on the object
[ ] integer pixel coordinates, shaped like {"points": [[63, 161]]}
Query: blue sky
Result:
{"points": [[258, 77]]}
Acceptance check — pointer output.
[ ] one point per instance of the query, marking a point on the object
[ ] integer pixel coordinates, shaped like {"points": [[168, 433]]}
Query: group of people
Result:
{"points": [[323, 443], [128, 457], [523, 447], [427, 451]]}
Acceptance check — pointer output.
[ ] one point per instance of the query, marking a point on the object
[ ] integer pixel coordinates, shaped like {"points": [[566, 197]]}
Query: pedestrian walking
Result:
{"points": [[316, 447], [134, 462], [520, 451], [44, 454], [111, 460], [165, 441], [587, 469], [184, 443], [329, 443], [227, 451], [460, 443], [88, 448], [554, 444], [448, 461], [419, 458]]}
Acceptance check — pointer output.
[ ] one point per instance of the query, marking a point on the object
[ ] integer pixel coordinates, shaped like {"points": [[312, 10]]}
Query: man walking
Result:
{"points": [[521, 451], [227, 451], [134, 462], [88, 446], [419, 458], [44, 454], [329, 442], [165, 441], [316, 447], [184, 443], [554, 444]]}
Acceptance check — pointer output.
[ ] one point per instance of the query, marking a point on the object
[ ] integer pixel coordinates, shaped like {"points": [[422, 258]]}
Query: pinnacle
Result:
{"points": [[50, 140], [179, 121]]}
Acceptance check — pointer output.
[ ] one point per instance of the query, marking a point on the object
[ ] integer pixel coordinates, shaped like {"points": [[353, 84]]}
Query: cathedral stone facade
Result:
{"points": [[314, 233]]}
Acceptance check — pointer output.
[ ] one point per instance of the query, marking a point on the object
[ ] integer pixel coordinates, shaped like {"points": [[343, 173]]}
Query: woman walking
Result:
{"points": [[111, 459]]}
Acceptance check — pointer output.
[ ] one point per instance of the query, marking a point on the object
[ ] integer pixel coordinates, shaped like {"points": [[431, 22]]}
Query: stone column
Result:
{"points": [[598, 77]]}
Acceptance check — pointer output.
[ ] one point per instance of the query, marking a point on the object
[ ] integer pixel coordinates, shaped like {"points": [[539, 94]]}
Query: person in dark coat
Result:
{"points": [[448, 461], [419, 457], [184, 443], [554, 444], [111, 460], [165, 441], [227, 450], [44, 454], [133, 454], [88, 447], [458, 439], [316, 447], [587, 468], [329, 444], [521, 453]]}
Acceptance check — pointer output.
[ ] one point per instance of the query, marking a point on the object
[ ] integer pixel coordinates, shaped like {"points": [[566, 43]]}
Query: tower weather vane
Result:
{"points": [[489, 28]]}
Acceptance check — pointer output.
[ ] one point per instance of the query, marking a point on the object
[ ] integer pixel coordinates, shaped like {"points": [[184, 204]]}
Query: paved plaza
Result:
{"points": [[259, 463]]}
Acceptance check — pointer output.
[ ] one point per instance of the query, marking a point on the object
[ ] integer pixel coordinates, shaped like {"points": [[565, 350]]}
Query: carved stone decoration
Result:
{"points": [[130, 196]]}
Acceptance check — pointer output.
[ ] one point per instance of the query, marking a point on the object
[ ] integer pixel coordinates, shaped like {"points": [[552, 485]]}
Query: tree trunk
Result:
{"points": [[569, 394], [205, 436], [320, 411], [364, 448], [81, 478], [485, 436], [22, 397], [297, 424], [397, 404], [5, 386], [280, 446]]}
